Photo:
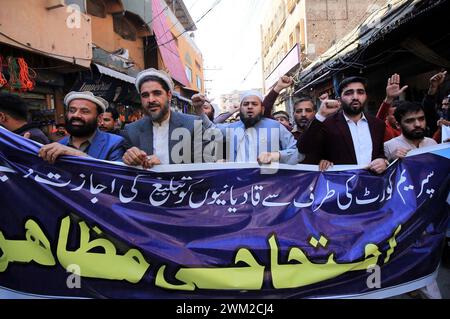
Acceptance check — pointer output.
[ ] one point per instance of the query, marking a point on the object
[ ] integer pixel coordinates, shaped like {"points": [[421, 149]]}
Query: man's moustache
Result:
{"points": [[77, 120]]}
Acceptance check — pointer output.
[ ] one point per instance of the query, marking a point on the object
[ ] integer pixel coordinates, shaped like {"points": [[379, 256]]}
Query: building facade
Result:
{"points": [[53, 43], [173, 49], [95, 45], [182, 30], [231, 102], [403, 37], [297, 32]]}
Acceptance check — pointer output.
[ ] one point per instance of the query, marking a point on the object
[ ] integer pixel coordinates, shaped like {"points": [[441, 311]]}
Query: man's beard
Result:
{"points": [[86, 130], [250, 121], [302, 124], [160, 115], [417, 134], [350, 110]]}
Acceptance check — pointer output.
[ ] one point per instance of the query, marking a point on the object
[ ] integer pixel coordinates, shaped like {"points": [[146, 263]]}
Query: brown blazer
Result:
{"points": [[332, 140]]}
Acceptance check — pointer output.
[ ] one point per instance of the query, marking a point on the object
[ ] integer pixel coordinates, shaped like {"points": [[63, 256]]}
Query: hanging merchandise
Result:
{"points": [[25, 78], [3, 80], [13, 69], [19, 76]]}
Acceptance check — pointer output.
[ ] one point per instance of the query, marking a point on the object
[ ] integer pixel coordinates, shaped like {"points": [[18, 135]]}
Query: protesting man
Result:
{"points": [[283, 83], [304, 113], [442, 135], [268, 102], [209, 110], [108, 121], [411, 118], [151, 137], [430, 101], [347, 137], [387, 108], [85, 139], [255, 138]]}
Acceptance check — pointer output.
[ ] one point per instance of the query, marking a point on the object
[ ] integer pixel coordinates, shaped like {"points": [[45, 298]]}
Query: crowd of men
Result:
{"points": [[338, 132], [261, 135]]}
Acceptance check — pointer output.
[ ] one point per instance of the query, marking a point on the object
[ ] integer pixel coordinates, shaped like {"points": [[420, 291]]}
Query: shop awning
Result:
{"points": [[178, 95], [114, 74], [167, 45], [110, 84]]}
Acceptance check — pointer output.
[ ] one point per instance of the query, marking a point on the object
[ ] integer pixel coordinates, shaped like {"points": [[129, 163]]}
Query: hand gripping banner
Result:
{"points": [[84, 228]]}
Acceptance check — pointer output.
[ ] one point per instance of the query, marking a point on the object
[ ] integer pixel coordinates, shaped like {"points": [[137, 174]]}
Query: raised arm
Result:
{"points": [[429, 101], [283, 83], [393, 91]]}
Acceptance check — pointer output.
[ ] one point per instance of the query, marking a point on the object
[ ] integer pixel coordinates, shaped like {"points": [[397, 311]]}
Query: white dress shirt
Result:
{"points": [[247, 147], [161, 141], [266, 136], [362, 140]]}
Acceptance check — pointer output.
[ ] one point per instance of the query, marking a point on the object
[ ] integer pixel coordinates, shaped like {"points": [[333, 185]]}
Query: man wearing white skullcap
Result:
{"points": [[83, 113], [255, 138], [150, 139], [146, 74]]}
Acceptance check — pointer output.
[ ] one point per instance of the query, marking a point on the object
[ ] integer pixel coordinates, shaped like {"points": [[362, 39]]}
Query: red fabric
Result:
{"points": [[167, 45], [438, 136], [391, 132], [383, 111]]}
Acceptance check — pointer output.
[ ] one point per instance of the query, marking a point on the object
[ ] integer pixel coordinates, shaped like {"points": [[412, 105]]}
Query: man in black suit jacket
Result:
{"points": [[348, 137], [162, 136]]}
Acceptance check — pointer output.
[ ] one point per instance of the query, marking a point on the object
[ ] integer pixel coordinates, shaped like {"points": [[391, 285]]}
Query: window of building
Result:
{"points": [[81, 4], [199, 83], [189, 73], [297, 34], [124, 28], [280, 56], [282, 12], [188, 59], [95, 7], [291, 40]]}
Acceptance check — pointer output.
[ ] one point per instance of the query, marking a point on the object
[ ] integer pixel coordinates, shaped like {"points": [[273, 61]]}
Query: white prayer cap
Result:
{"points": [[86, 96], [256, 93], [156, 73]]}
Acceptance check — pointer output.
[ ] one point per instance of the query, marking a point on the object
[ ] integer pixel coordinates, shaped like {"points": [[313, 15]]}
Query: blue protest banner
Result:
{"points": [[84, 228]]}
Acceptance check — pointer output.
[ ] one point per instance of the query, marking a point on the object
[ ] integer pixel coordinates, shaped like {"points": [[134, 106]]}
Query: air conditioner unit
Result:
{"points": [[53, 4]]}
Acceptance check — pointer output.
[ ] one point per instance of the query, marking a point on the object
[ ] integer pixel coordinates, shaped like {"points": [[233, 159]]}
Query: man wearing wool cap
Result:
{"points": [[156, 138], [83, 111], [255, 138]]}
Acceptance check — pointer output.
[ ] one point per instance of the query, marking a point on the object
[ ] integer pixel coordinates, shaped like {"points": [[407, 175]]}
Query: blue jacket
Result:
{"points": [[104, 146]]}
